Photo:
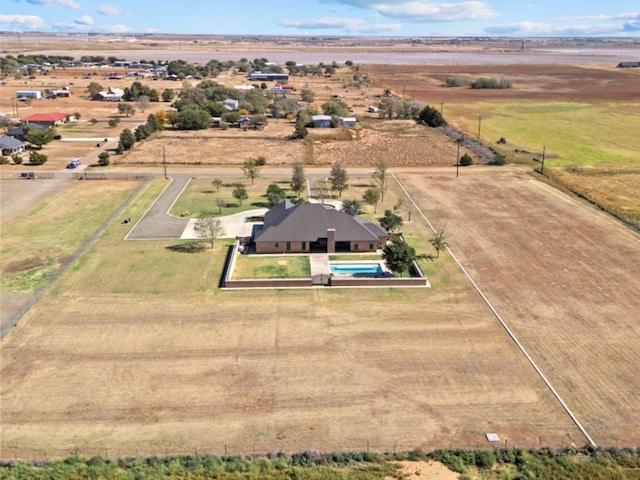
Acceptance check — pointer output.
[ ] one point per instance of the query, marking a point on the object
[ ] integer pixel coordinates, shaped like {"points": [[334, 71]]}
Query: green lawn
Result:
{"points": [[200, 197], [253, 266], [573, 133]]}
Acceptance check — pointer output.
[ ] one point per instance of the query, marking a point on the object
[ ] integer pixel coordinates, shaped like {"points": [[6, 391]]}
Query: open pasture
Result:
{"points": [[562, 275], [163, 361]]}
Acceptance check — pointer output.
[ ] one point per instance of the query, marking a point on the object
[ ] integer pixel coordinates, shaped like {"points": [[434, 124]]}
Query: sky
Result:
{"points": [[410, 18]]}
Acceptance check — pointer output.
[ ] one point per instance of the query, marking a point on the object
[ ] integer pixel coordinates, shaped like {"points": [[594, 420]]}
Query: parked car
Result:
{"points": [[75, 163]]}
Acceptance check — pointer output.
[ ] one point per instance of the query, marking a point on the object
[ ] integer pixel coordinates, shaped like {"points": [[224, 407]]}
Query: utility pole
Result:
{"points": [[479, 124], [544, 154], [164, 162], [458, 161], [441, 106]]}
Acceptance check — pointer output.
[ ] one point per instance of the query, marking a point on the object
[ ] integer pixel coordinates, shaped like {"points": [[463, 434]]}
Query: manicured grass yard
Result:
{"points": [[260, 266], [200, 197]]}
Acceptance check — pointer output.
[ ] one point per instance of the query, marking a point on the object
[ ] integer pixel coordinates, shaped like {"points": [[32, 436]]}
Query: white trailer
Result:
{"points": [[37, 94]]}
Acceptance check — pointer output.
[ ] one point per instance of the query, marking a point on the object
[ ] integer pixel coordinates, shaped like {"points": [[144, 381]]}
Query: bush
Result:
{"points": [[36, 158], [114, 122], [104, 159], [454, 82], [491, 83], [431, 116], [498, 158], [93, 121], [466, 160], [4, 160], [17, 158]]}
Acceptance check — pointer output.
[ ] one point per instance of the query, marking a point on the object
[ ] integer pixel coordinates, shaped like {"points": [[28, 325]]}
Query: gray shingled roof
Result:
{"points": [[310, 221], [9, 143]]}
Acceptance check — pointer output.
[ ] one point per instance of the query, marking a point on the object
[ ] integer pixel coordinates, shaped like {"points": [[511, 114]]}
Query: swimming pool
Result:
{"points": [[356, 268]]}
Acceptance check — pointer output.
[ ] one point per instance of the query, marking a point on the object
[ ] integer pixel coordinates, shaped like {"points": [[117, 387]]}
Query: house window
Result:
{"points": [[304, 246], [288, 246], [276, 246], [370, 245], [355, 246]]}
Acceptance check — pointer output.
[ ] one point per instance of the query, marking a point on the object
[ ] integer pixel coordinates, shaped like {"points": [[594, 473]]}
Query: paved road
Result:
{"points": [[157, 223]]}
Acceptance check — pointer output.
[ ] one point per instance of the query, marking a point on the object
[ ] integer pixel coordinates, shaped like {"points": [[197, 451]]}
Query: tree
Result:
{"points": [[391, 221], [142, 132], [335, 108], [371, 197], [251, 167], [307, 95], [94, 88], [352, 207], [126, 109], [240, 194], [300, 130], [168, 95], [381, 179], [114, 122], [208, 229], [398, 255], [298, 179], [221, 203], [143, 102], [193, 118], [217, 182], [466, 160], [432, 117], [438, 241], [153, 123], [275, 194], [37, 158], [338, 178], [104, 159], [127, 139], [77, 115], [39, 137]]}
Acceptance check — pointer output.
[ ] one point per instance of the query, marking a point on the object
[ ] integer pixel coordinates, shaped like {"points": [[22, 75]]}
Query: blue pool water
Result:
{"points": [[356, 268]]}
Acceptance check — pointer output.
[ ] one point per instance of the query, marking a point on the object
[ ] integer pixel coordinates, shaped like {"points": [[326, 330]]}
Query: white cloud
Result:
{"points": [[425, 11], [77, 27], [591, 25], [108, 10], [27, 22], [56, 3], [84, 20], [351, 25]]}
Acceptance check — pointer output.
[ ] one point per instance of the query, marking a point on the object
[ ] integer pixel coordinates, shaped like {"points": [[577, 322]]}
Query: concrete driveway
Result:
{"points": [[234, 225]]}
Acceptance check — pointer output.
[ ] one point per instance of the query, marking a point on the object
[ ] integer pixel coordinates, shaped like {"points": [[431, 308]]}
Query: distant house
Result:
{"points": [[322, 121], [268, 77], [10, 145], [230, 104], [110, 95], [313, 227], [48, 119], [372, 109], [62, 92], [348, 121]]}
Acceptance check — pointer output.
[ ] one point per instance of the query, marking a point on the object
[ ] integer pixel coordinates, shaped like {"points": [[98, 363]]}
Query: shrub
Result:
{"points": [[453, 82], [93, 121], [36, 158], [431, 116], [114, 122], [491, 83], [498, 158], [466, 160], [104, 159], [4, 160], [17, 158]]}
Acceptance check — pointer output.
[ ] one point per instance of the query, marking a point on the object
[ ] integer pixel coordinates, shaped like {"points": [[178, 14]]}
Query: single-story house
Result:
{"points": [[322, 121], [48, 119], [112, 94], [348, 121], [10, 145], [314, 227]]}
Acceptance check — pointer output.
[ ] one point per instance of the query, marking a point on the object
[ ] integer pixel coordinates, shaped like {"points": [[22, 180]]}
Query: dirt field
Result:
{"points": [[564, 277], [565, 83]]}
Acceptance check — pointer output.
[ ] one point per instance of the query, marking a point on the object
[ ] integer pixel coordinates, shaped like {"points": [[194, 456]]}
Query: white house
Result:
{"points": [[37, 94], [348, 121], [110, 95]]}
